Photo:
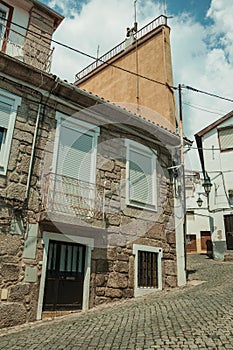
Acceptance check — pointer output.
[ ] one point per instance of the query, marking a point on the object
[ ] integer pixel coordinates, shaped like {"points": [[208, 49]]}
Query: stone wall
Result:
{"points": [[37, 51], [112, 266], [18, 297]]}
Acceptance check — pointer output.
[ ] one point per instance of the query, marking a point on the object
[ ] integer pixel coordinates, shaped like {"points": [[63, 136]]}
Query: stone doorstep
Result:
{"points": [[54, 314], [195, 282]]}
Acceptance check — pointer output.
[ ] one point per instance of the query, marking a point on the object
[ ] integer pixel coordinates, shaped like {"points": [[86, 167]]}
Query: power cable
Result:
{"points": [[207, 93], [94, 58], [202, 109]]}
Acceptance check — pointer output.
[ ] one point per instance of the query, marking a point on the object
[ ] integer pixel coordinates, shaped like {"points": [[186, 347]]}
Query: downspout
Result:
{"points": [[33, 151]]}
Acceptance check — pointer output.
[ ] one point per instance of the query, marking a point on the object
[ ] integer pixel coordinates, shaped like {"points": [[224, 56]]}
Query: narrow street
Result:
{"points": [[199, 316]]}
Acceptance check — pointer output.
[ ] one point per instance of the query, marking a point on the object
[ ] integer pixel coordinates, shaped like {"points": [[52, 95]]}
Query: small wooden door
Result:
{"points": [[206, 242], [64, 277], [228, 220], [191, 244]]}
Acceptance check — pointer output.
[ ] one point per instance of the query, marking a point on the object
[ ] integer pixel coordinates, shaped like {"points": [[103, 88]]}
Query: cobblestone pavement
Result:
{"points": [[194, 317]]}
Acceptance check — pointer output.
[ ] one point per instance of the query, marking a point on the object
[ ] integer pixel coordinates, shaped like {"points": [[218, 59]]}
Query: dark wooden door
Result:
{"points": [[191, 245], [64, 277], [228, 220], [206, 242]]}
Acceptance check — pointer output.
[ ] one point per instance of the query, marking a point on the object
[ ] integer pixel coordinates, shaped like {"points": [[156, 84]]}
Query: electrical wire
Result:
{"points": [[209, 172], [120, 68], [93, 57], [203, 109], [206, 93]]}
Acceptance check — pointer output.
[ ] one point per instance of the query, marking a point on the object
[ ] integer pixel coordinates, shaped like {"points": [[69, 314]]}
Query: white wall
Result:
{"points": [[219, 166]]}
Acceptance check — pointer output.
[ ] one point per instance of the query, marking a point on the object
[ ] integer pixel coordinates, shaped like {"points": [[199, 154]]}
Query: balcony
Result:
{"points": [[157, 22], [68, 196], [30, 49]]}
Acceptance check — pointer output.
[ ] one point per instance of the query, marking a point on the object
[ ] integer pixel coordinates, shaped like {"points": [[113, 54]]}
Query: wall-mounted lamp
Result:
{"points": [[207, 187], [199, 201]]}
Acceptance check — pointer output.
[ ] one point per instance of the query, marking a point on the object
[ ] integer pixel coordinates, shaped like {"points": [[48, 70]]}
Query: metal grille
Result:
{"points": [[147, 269], [64, 194]]}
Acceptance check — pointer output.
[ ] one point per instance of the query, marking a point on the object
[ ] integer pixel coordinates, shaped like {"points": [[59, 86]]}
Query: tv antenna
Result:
{"points": [[135, 13], [134, 29], [165, 7]]}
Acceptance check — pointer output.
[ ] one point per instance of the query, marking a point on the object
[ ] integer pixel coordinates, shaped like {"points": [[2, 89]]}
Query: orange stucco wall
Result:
{"points": [[152, 55]]}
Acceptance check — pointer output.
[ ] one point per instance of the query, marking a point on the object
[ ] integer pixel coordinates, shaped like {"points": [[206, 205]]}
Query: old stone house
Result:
{"points": [[87, 212]]}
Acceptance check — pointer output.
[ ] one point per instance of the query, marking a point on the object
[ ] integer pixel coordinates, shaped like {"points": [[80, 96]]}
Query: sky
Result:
{"points": [[201, 44]]}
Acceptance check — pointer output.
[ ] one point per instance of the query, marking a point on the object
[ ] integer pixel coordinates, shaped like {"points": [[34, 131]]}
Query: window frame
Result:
{"points": [[219, 130], [145, 151], [81, 127], [8, 10], [15, 102], [139, 291]]}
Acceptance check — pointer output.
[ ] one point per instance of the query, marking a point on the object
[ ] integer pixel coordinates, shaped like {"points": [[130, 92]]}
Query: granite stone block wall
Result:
{"points": [[22, 214]]}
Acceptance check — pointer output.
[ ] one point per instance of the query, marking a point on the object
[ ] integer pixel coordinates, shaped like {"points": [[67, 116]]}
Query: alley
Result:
{"points": [[199, 316]]}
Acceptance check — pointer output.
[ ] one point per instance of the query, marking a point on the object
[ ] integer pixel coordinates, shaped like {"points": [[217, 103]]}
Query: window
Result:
{"points": [[148, 269], [2, 23], [141, 176], [75, 165], [225, 138], [6, 12], [8, 108], [76, 148]]}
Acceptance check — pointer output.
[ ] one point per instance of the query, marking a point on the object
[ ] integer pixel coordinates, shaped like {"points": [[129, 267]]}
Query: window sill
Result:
{"points": [[142, 206]]}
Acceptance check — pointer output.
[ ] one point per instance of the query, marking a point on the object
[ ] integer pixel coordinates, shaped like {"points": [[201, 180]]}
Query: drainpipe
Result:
{"points": [[33, 151]]}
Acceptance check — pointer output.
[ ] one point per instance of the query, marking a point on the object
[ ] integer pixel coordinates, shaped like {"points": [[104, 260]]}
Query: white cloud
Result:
{"points": [[100, 24], [67, 7]]}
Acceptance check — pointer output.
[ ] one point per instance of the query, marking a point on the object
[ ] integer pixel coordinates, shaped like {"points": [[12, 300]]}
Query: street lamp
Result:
{"points": [[199, 201], [207, 187]]}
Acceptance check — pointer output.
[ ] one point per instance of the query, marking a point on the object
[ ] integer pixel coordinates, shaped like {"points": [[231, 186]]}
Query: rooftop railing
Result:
{"points": [[30, 49], [161, 20]]}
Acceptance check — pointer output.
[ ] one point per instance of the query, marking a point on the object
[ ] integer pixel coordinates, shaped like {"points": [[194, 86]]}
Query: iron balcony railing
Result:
{"points": [[161, 20], [67, 195], [31, 49]]}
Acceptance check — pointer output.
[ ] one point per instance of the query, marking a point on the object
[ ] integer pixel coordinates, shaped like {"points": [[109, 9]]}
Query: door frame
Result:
{"points": [[52, 236]]}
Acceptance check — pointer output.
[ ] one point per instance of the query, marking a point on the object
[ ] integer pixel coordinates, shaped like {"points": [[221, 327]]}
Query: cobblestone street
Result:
{"points": [[195, 317]]}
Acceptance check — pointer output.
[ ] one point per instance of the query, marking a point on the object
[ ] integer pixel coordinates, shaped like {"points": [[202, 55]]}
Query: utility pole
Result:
{"points": [[182, 169]]}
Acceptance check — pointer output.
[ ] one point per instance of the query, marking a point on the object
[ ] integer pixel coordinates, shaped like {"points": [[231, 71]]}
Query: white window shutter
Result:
{"points": [[75, 154], [140, 177], [226, 138], [5, 110]]}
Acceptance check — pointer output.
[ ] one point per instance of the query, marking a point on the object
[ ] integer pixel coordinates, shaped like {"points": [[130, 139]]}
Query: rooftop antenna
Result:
{"points": [[165, 7], [135, 16], [98, 51], [134, 29]]}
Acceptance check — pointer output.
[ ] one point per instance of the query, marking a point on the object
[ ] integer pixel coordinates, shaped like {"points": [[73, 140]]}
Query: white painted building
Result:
{"points": [[197, 218], [215, 144]]}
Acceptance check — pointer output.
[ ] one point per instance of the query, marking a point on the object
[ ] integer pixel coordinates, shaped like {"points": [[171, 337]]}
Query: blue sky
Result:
{"points": [[197, 8], [201, 43]]}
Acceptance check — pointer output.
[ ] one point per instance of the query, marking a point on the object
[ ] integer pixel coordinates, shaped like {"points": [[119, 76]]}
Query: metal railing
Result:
{"points": [[31, 49], [161, 20], [67, 195]]}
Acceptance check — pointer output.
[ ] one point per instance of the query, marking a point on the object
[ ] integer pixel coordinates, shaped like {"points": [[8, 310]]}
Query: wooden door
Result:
{"points": [[64, 277], [206, 242], [191, 245], [228, 220]]}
